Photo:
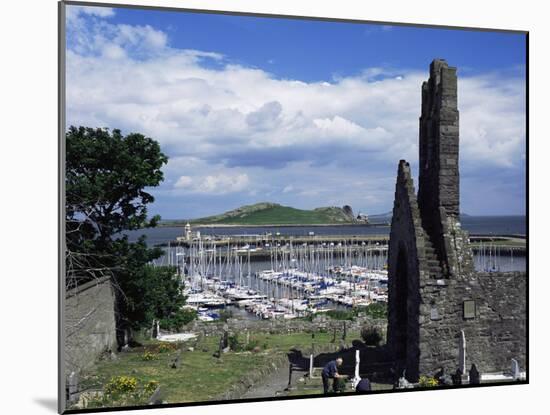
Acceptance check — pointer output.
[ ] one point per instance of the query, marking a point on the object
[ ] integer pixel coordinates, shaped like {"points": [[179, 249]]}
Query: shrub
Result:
{"points": [[376, 310], [178, 319], [234, 343], [371, 336], [252, 344], [123, 391], [341, 314], [120, 384], [151, 386], [166, 347], [427, 381], [148, 356]]}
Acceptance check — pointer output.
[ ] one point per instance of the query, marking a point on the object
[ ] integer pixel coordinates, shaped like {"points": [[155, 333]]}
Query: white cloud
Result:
{"points": [[183, 182], [229, 123], [73, 12], [216, 184]]}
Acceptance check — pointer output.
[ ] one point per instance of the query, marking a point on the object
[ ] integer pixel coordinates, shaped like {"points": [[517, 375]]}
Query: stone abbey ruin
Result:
{"points": [[441, 312]]}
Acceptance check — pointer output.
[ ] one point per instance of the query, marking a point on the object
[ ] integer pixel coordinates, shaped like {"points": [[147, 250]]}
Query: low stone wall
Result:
{"points": [[281, 326], [89, 324]]}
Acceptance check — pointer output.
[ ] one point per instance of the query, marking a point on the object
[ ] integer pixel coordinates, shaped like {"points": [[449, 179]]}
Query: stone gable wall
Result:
{"points": [[439, 272], [89, 324]]}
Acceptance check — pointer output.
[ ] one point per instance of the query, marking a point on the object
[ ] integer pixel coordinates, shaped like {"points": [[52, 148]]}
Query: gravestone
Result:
{"points": [[457, 377], [344, 331], [515, 369], [473, 375], [176, 361], [73, 387], [225, 342], [462, 352], [155, 398], [154, 332]]}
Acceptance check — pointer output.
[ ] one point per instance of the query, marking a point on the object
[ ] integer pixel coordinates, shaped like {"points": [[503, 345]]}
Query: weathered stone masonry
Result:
{"points": [[434, 292], [89, 324]]}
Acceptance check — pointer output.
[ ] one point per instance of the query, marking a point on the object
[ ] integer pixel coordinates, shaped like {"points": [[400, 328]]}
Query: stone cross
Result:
{"points": [[356, 378]]}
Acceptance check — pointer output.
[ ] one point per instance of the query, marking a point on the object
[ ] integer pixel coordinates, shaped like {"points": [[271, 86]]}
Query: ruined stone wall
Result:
{"points": [[406, 266], [89, 324], [430, 261], [494, 336], [439, 185]]}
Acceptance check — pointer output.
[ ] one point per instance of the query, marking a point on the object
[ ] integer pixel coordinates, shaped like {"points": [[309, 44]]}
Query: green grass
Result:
{"points": [[200, 376]]}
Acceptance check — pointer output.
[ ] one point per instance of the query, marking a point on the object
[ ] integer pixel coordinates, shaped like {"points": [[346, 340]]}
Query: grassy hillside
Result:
{"points": [[275, 214]]}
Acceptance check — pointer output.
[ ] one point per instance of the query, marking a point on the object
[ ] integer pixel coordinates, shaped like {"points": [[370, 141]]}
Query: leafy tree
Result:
{"points": [[150, 292], [105, 180], [371, 336], [107, 176]]}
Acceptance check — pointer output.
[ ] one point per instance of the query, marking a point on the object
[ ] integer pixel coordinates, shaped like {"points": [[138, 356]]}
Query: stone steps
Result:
{"points": [[434, 266]]}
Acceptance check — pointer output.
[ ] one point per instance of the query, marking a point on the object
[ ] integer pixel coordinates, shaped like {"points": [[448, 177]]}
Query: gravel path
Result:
{"points": [[274, 383]]}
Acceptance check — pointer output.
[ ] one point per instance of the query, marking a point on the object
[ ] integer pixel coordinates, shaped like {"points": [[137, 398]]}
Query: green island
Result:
{"points": [[266, 213]]}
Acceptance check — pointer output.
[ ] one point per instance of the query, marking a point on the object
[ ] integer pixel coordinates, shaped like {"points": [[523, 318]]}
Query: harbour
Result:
{"points": [[297, 272]]}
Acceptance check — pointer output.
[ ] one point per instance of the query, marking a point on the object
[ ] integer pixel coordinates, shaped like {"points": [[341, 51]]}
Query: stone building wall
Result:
{"points": [[89, 324], [432, 280], [406, 264], [494, 336], [439, 180]]}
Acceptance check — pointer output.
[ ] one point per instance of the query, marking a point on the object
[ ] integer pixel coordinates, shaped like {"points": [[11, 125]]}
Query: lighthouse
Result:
{"points": [[188, 232]]}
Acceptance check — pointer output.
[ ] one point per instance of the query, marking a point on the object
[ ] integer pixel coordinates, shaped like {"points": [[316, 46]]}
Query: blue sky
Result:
{"points": [[303, 113]]}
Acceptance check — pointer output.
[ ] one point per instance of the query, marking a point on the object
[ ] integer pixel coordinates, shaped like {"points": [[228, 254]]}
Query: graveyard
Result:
{"points": [[193, 371]]}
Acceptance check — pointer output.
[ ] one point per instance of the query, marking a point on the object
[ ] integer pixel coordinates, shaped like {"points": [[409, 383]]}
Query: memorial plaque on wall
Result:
{"points": [[469, 309]]}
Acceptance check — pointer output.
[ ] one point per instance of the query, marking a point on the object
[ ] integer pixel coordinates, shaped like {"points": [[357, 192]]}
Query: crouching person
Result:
{"points": [[330, 371]]}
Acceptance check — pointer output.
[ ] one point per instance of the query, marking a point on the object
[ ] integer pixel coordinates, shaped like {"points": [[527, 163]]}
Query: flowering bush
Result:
{"points": [[151, 386], [121, 384], [123, 391], [427, 381], [166, 347], [147, 356]]}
